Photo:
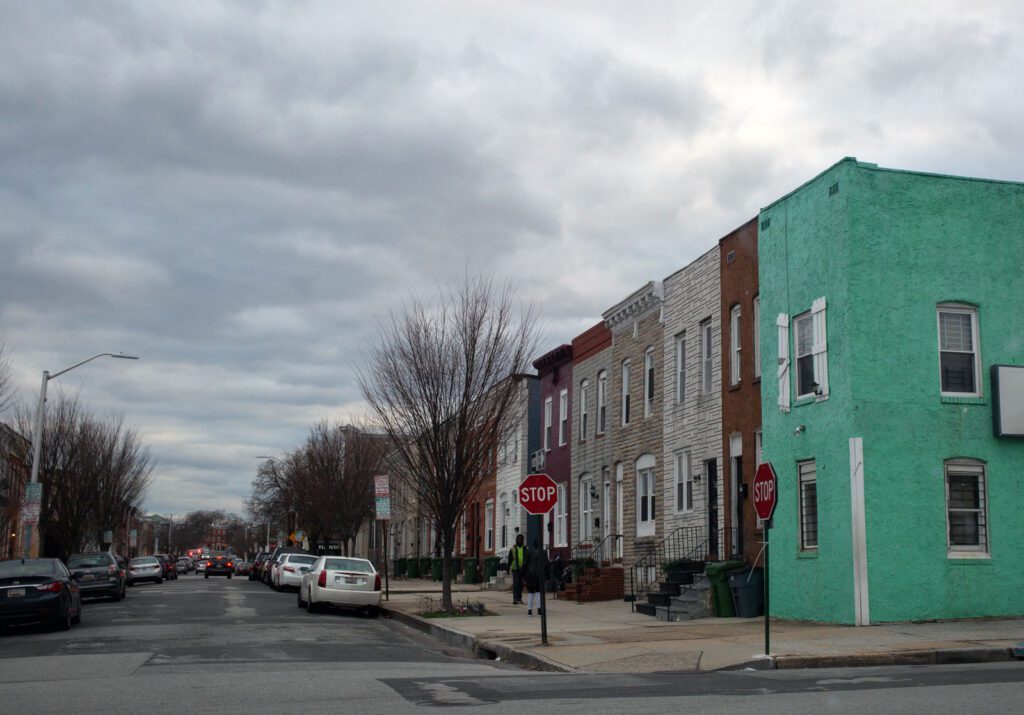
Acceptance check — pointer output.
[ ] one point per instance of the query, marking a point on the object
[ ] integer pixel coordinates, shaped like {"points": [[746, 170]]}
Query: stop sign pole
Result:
{"points": [[538, 494], [765, 497]]}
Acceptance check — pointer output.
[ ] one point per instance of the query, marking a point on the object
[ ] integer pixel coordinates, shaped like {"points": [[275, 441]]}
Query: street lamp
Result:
{"points": [[38, 438]]}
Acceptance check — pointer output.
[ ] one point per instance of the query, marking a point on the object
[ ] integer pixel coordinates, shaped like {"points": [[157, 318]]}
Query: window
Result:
{"points": [[515, 447], [967, 507], [606, 504], [958, 350], [757, 336], [649, 382], [618, 508], [602, 401], [462, 534], [584, 413], [680, 367], [625, 393], [645, 501], [503, 520], [586, 508], [684, 483], [489, 525], [734, 345], [563, 417], [808, 476], [811, 352], [547, 424], [561, 518], [757, 448], [705, 357]]}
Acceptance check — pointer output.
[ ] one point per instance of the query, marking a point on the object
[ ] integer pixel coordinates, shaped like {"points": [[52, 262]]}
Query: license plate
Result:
{"points": [[15, 592], [88, 577], [351, 580]]}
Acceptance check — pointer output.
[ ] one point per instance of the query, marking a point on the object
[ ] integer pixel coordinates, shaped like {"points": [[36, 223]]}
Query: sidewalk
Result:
{"points": [[608, 637]]}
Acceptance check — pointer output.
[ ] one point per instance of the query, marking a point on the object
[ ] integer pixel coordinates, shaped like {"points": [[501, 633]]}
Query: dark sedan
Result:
{"points": [[219, 563], [38, 590], [98, 574]]}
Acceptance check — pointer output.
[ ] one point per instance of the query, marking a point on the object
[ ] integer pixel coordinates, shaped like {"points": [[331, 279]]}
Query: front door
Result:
{"points": [[711, 479]]}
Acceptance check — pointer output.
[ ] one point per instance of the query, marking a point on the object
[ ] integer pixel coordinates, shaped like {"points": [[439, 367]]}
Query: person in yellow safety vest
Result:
{"points": [[516, 563]]}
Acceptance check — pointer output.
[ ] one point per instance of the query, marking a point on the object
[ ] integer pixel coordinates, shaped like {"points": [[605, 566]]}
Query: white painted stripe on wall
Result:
{"points": [[860, 546]]}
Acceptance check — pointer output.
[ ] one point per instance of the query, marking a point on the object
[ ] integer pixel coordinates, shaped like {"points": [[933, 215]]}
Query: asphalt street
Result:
{"points": [[197, 645]]}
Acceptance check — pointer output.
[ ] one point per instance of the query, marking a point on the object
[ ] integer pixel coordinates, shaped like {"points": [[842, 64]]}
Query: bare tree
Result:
{"points": [[6, 386], [440, 381]]}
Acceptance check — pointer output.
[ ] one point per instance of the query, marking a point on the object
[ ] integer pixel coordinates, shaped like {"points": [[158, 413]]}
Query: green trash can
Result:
{"points": [[721, 591], [400, 565], [413, 568], [469, 570], [437, 569], [491, 567], [456, 566], [425, 567]]}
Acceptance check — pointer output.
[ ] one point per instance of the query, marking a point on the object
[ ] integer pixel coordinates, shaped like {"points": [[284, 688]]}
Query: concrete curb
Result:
{"points": [[482, 649], [937, 656]]}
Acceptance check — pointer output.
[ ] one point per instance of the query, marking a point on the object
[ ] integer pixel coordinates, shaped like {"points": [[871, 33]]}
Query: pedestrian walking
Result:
{"points": [[534, 578], [516, 564]]}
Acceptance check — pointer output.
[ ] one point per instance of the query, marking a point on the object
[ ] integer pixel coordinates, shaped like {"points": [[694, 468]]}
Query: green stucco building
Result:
{"points": [[886, 298]]}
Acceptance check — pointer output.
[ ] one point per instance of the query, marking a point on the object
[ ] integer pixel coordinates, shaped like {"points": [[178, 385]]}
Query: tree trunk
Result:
{"points": [[447, 545]]}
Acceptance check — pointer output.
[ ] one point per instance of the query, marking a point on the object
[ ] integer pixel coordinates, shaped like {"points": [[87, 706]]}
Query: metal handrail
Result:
{"points": [[686, 543], [589, 550]]}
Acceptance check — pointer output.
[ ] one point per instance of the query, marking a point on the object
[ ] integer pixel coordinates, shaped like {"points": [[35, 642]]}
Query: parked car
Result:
{"points": [[39, 590], [200, 567], [257, 565], [243, 568], [269, 569], [145, 568], [219, 563], [170, 572], [98, 573], [340, 581], [290, 570], [182, 565]]}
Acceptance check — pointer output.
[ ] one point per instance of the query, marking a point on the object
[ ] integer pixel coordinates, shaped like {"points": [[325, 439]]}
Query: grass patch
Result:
{"points": [[431, 608]]}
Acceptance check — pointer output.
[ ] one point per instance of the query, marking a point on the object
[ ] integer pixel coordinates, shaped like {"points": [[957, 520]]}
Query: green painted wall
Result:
{"points": [[884, 251]]}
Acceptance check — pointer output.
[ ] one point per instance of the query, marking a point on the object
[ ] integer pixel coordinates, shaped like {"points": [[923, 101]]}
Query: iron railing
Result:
{"points": [[686, 543], [586, 553]]}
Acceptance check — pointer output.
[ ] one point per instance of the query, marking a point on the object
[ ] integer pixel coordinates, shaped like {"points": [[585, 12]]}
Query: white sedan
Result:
{"points": [[288, 573], [340, 581]]}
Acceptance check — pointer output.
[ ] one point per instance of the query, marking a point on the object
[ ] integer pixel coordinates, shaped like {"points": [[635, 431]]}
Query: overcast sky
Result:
{"points": [[234, 191]]}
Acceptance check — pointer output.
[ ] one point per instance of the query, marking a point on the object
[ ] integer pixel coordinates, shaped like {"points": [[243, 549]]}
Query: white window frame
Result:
{"points": [[462, 533], [735, 317], [626, 395], [489, 525], [972, 312], [814, 319], [584, 409], [602, 402], [646, 495], [706, 357], [547, 424], [563, 417], [586, 509], [649, 382], [976, 470], [680, 353], [606, 504], [782, 323], [757, 336], [683, 482], [807, 508], [804, 321], [561, 536], [503, 515], [619, 507]]}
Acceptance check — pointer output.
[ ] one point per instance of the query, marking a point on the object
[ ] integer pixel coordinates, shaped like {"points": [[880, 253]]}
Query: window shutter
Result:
{"points": [[783, 322], [820, 348]]}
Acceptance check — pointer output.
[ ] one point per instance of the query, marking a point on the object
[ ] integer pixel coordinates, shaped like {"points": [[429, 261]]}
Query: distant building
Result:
{"points": [[554, 370], [14, 474]]}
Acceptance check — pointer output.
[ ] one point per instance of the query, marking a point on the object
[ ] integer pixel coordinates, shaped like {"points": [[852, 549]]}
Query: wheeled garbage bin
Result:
{"points": [[748, 592], [721, 591]]}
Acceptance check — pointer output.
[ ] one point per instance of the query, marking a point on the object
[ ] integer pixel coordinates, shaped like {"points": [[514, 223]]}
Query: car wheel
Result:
{"points": [[63, 621], [373, 611], [302, 603], [229, 577], [116, 595], [159, 580], [78, 615], [206, 575]]}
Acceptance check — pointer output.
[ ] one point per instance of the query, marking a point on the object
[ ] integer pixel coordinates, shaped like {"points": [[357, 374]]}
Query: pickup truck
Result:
{"points": [[219, 563]]}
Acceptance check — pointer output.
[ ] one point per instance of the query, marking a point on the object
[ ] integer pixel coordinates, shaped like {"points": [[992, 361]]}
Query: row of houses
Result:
{"points": [[860, 334]]}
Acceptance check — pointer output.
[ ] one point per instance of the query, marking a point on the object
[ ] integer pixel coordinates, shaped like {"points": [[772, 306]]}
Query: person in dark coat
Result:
{"points": [[535, 563]]}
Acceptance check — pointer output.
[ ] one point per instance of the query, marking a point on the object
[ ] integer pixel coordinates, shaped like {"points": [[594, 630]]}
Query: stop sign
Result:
{"points": [[765, 491], [538, 493]]}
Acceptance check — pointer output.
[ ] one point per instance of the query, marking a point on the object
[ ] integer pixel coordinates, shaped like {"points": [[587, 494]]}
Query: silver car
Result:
{"points": [[145, 568], [340, 581]]}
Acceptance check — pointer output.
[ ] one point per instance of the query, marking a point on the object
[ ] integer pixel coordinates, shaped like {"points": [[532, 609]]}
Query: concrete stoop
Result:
{"points": [[501, 582], [691, 602]]}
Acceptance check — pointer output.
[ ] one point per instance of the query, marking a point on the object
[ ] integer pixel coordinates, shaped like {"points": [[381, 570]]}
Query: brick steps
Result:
{"points": [[596, 584]]}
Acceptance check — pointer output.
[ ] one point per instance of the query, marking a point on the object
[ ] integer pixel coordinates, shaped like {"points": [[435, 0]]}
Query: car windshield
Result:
{"points": [[302, 559], [144, 561], [217, 554], [32, 567], [88, 561], [357, 565]]}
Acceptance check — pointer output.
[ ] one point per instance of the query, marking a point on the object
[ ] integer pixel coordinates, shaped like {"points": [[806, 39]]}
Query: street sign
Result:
{"points": [[538, 494], [765, 491], [382, 497]]}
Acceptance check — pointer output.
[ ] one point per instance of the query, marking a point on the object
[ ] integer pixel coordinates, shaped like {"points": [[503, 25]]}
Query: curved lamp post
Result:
{"points": [[31, 550]]}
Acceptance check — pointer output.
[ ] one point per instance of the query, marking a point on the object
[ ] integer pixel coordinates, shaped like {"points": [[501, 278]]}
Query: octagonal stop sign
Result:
{"points": [[538, 494], [765, 491]]}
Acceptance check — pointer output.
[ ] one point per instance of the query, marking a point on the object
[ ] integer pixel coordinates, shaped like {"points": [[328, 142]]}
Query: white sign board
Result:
{"points": [[1008, 401]]}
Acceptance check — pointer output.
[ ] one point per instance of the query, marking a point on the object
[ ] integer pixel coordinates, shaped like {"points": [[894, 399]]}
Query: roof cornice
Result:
{"points": [[636, 304]]}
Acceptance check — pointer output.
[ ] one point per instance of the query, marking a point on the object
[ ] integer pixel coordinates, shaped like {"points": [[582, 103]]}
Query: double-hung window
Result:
{"points": [[584, 408], [680, 368], [706, 355], [734, 345], [757, 336], [586, 508], [958, 350], [547, 424], [602, 401], [561, 518], [649, 382], [684, 482], [811, 352], [967, 507], [489, 525], [645, 493], [563, 417], [625, 393], [808, 490]]}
